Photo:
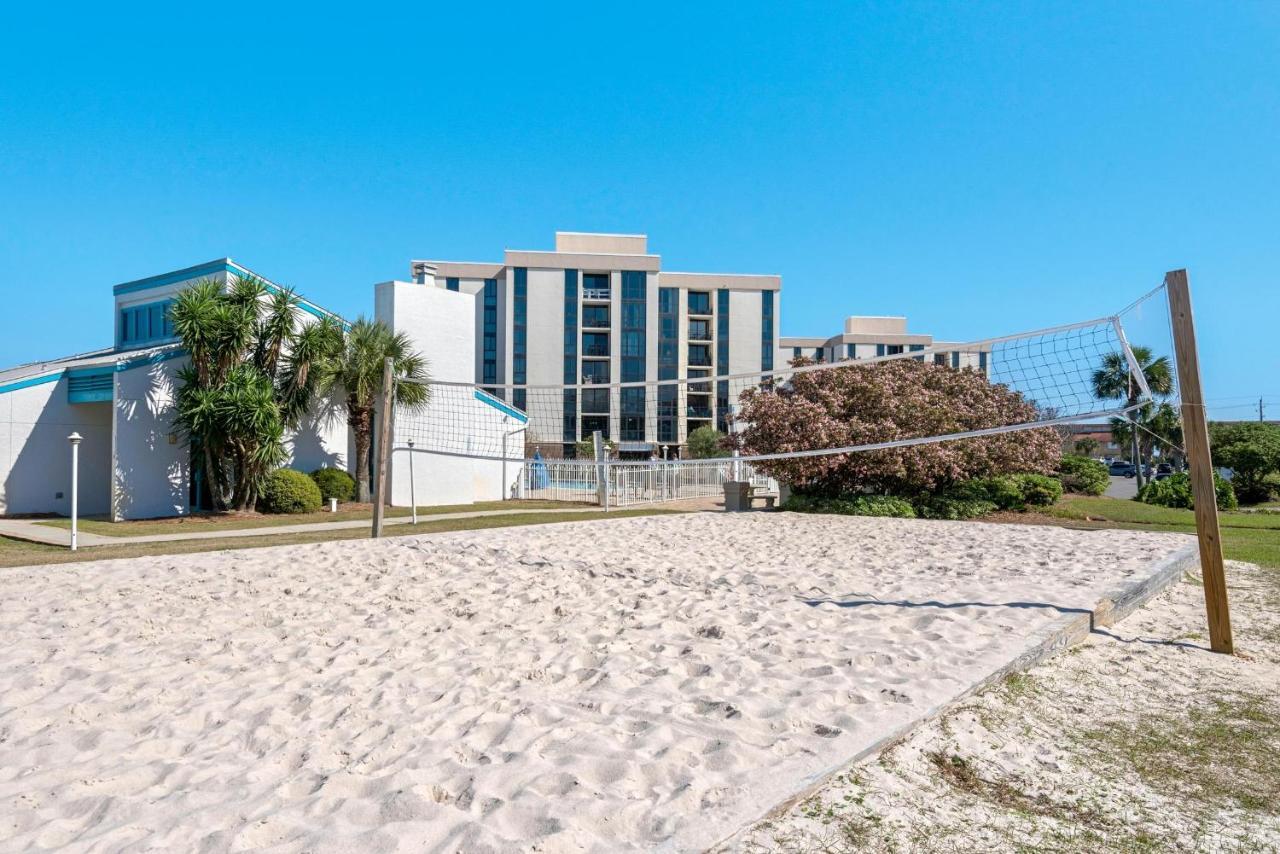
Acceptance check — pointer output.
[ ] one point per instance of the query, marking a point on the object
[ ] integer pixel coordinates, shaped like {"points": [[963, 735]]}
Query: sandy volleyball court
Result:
{"points": [[600, 686]]}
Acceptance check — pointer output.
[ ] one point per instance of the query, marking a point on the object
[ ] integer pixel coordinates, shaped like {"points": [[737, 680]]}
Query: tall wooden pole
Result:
{"points": [[386, 415], [1195, 433]]}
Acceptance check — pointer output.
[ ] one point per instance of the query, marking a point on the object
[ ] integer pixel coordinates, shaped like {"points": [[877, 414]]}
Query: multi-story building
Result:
{"points": [[600, 310], [869, 337]]}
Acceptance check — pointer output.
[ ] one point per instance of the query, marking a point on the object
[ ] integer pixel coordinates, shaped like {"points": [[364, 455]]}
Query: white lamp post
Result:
{"points": [[413, 494], [74, 439]]}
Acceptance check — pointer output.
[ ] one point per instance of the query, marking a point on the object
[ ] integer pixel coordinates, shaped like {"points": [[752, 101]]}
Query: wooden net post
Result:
{"points": [[1195, 431], [386, 414]]}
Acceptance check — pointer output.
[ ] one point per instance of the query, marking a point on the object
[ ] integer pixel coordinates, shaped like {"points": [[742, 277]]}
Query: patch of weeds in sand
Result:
{"points": [[1016, 686], [1219, 754]]}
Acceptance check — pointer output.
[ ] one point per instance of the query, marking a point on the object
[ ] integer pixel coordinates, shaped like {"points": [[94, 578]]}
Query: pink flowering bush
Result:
{"points": [[887, 401]]}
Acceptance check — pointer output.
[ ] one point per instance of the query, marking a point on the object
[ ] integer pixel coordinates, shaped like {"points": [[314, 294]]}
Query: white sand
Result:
{"points": [[626, 684], [1048, 750]]}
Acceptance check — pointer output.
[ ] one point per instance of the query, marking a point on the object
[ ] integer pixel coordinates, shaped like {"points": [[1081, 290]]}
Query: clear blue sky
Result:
{"points": [[979, 168]]}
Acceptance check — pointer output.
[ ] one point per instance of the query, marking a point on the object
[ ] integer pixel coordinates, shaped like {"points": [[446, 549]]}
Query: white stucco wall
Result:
{"points": [[152, 464], [35, 457], [744, 331], [440, 325]]}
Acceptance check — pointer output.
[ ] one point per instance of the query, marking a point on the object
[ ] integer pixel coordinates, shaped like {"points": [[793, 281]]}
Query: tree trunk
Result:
{"points": [[359, 418], [1137, 456]]}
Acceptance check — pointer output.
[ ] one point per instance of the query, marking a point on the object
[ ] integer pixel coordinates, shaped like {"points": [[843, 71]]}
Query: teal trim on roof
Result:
{"points": [[485, 397], [208, 268], [211, 268], [31, 381]]}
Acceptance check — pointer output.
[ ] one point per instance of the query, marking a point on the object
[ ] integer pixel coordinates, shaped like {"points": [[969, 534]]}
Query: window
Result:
{"points": [[955, 361], [595, 316], [595, 372], [591, 423], [851, 351], [916, 348], [766, 330], [699, 302], [634, 352], [668, 362], [894, 349], [595, 344], [700, 355], [722, 359], [700, 330], [146, 324], [982, 361], [795, 352], [595, 401], [595, 286], [451, 283], [520, 336], [940, 358], [570, 416], [489, 366]]}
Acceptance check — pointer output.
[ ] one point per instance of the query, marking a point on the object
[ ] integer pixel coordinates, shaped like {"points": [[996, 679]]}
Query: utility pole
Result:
{"points": [[1259, 409]]}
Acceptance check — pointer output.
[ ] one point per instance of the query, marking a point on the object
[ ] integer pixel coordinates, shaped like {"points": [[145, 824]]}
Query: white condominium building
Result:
{"points": [[600, 309]]}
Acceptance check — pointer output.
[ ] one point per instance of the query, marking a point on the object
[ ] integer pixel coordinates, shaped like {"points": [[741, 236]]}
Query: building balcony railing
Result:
{"points": [[699, 361], [599, 294], [702, 412], [595, 351]]}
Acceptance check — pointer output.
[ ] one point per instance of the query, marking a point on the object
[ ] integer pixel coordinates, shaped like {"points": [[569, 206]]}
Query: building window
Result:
{"points": [[146, 324], [940, 359], [520, 337], [796, 352], [489, 365], [955, 360], [570, 414], [451, 283], [592, 423], [894, 349], [851, 351], [595, 317], [595, 371], [766, 330], [595, 401], [982, 361], [699, 302], [700, 330], [722, 359], [668, 362], [595, 344], [700, 355], [634, 334], [916, 348], [595, 286]]}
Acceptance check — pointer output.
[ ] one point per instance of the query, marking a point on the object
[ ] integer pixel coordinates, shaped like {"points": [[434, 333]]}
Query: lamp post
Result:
{"points": [[413, 493], [74, 439]]}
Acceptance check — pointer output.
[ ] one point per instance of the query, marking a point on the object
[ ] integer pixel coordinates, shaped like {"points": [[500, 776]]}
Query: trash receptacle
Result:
{"points": [[737, 496]]}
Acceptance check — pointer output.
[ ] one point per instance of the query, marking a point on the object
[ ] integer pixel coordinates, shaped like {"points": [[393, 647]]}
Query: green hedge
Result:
{"points": [[858, 505], [1175, 491], [1003, 492], [334, 483], [1083, 475], [951, 506], [289, 491]]}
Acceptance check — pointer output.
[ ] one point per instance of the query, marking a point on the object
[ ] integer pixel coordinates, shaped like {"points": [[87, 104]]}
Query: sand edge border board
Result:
{"points": [[1061, 634]]}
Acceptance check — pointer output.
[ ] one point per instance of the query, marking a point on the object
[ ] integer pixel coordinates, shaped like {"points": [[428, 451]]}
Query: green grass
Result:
{"points": [[20, 553], [237, 521], [1252, 537]]}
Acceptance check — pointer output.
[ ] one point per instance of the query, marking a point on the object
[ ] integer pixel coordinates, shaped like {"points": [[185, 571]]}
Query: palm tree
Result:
{"points": [[1113, 380], [250, 377], [355, 373]]}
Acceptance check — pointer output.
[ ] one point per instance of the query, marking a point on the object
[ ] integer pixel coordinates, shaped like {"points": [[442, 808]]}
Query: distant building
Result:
{"points": [[870, 337]]}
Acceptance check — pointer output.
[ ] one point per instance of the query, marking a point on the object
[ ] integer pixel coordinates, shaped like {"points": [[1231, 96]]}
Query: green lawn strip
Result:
{"points": [[233, 522], [1251, 537], [20, 553]]}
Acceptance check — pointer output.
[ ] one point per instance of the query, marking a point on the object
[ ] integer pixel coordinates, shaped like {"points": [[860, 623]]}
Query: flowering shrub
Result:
{"points": [[882, 402]]}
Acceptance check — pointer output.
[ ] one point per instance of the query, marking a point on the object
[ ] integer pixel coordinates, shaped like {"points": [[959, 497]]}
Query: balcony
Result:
{"points": [[595, 317], [700, 355], [595, 345], [699, 412], [596, 294], [700, 303]]}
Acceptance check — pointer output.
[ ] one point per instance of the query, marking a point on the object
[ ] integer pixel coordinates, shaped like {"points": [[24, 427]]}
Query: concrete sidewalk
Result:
{"points": [[31, 531]]}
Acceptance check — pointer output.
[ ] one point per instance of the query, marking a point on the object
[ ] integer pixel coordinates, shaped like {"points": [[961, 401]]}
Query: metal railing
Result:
{"points": [[596, 293], [631, 484]]}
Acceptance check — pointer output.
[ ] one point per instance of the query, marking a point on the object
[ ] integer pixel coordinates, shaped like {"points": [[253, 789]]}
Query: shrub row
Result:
{"points": [[1083, 476], [1175, 491], [289, 491], [967, 500]]}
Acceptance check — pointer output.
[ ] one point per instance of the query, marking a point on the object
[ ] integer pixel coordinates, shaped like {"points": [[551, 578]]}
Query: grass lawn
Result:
{"points": [[1252, 537], [20, 553], [237, 521]]}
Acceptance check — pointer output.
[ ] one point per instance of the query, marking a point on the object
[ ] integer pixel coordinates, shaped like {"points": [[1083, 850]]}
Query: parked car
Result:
{"points": [[1122, 469], [1164, 468]]}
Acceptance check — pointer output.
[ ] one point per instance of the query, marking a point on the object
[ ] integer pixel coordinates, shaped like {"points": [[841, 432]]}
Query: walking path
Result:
{"points": [[32, 531]]}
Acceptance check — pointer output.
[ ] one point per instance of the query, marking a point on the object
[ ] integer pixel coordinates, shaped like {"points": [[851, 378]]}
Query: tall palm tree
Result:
{"points": [[1113, 380], [355, 373]]}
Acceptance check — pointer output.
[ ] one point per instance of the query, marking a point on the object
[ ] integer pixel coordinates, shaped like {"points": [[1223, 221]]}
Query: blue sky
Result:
{"points": [[980, 168]]}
